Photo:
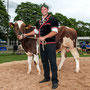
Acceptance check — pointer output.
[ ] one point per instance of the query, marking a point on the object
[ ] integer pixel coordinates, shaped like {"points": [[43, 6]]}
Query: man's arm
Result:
{"points": [[25, 35], [29, 34]]}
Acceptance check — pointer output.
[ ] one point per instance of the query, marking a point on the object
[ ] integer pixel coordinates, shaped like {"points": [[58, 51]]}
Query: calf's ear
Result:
{"points": [[11, 24]]}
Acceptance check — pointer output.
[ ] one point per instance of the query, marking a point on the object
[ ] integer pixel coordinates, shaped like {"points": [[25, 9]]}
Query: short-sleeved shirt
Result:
{"points": [[45, 26], [88, 46]]}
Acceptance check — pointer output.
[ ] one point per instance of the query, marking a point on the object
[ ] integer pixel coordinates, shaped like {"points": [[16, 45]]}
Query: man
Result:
{"points": [[47, 28]]}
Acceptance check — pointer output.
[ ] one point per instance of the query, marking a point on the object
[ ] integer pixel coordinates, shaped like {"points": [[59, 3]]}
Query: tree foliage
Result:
{"points": [[83, 29], [28, 12], [4, 19]]}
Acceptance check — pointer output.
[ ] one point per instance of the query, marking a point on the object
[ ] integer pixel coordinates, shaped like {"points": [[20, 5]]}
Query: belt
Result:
{"points": [[47, 42], [44, 43]]}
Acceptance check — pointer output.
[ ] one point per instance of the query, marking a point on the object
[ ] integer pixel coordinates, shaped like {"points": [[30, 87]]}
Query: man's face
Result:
{"points": [[44, 11]]}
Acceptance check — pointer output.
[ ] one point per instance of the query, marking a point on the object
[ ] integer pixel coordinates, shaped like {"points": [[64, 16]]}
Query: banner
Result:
{"points": [[3, 48]]}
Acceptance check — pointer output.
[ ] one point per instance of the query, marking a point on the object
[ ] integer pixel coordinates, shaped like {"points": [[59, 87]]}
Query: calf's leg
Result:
{"points": [[29, 63], [63, 51], [75, 54], [36, 60]]}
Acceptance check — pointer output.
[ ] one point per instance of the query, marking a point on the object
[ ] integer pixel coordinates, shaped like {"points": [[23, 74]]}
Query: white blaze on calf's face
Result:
{"points": [[19, 23]]}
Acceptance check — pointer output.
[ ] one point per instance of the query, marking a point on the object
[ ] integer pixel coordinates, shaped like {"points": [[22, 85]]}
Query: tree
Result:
{"points": [[73, 23], [28, 12], [63, 20], [4, 19], [83, 28], [87, 29]]}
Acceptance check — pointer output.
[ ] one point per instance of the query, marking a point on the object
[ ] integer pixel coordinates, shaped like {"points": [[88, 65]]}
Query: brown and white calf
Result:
{"points": [[66, 38], [31, 46]]}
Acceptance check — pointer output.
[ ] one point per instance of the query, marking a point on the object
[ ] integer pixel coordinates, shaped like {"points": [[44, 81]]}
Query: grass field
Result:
{"points": [[8, 56]]}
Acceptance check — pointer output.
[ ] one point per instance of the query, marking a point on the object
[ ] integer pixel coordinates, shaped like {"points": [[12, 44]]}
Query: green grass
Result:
{"points": [[8, 56], [70, 55]]}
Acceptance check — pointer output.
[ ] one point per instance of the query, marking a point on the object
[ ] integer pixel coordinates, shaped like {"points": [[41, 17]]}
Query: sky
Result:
{"points": [[78, 9]]}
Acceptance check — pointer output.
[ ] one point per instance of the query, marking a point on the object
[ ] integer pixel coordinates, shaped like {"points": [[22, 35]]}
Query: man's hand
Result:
{"points": [[21, 36], [42, 38]]}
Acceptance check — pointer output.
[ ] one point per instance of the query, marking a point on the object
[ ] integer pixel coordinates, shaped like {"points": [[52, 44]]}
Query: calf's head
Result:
{"points": [[19, 27]]}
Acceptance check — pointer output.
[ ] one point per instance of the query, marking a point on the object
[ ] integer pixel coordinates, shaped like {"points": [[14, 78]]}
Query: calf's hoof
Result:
{"points": [[59, 68], [77, 70], [39, 73], [28, 72]]}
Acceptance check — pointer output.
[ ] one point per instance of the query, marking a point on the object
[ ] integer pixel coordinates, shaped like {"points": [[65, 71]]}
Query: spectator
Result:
{"points": [[88, 47], [83, 46], [15, 48]]}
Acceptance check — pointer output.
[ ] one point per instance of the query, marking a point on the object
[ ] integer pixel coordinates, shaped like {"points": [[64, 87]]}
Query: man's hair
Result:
{"points": [[44, 5]]}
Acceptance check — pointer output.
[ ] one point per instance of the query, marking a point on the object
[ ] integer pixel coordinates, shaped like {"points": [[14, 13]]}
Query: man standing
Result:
{"points": [[47, 28]]}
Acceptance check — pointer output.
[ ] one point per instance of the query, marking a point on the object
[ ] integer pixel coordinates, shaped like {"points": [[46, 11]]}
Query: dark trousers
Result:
{"points": [[48, 57]]}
